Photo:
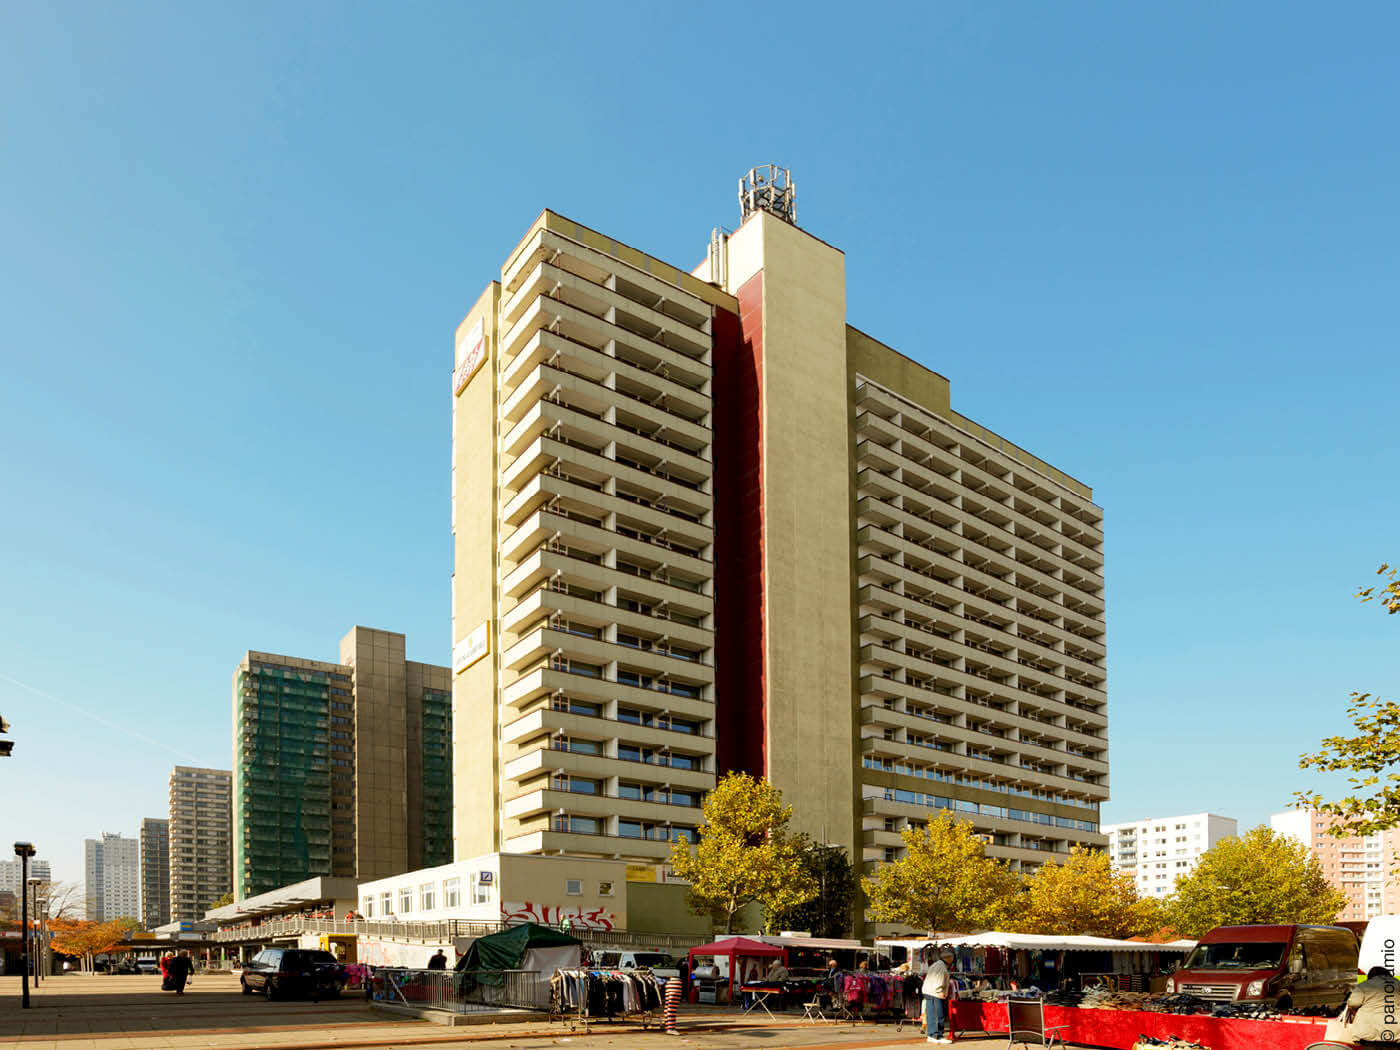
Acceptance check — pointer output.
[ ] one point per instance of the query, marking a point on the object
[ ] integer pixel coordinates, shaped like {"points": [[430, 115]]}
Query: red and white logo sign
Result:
{"points": [[471, 355]]}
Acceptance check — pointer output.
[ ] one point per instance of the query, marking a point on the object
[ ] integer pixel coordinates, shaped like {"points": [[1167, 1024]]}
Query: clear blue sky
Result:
{"points": [[1155, 243]]}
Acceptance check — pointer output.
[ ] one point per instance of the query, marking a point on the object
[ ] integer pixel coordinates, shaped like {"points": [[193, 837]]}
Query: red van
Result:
{"points": [[1282, 966]]}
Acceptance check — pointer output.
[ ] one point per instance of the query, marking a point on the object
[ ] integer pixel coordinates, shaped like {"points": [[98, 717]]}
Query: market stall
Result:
{"points": [[1120, 1029], [740, 960], [997, 961]]}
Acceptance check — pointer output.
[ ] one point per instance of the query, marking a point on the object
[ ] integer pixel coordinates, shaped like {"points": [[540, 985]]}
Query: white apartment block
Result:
{"points": [[1362, 867], [112, 873], [11, 874], [1160, 850]]}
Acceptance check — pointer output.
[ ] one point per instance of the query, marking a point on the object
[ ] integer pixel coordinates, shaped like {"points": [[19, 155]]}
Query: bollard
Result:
{"points": [[673, 1000]]}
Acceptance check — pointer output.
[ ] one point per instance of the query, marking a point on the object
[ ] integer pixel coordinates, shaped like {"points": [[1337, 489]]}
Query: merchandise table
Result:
{"points": [[759, 994], [1119, 1029]]}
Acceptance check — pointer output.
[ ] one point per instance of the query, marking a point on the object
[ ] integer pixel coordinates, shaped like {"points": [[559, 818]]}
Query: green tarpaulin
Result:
{"points": [[504, 950]]}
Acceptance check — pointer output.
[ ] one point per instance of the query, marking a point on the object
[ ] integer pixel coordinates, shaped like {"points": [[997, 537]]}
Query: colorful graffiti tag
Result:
{"points": [[554, 915]]}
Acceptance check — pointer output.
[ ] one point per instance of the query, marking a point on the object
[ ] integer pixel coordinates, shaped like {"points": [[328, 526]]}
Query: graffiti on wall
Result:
{"points": [[553, 915]]}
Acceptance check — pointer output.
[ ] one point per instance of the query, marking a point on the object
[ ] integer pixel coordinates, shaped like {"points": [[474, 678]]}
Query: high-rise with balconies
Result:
{"points": [[201, 840], [584, 587], [702, 523], [155, 872], [339, 768]]}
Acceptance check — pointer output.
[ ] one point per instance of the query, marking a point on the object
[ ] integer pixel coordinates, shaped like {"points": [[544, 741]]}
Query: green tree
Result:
{"points": [[944, 883], [828, 913], [1259, 878], [1370, 755], [223, 901], [745, 854], [1085, 895]]}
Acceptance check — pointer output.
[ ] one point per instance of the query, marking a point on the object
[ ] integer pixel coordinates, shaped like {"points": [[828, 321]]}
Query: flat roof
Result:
{"points": [[310, 891]]}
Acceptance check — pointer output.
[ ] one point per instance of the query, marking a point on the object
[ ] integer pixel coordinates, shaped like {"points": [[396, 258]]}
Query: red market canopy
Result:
{"points": [[735, 948]]}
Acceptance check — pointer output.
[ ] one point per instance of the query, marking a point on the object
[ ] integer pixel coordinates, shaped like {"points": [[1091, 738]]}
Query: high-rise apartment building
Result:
{"points": [[340, 768], [155, 872], [702, 523], [201, 840], [1160, 850], [1362, 867], [112, 877], [11, 874]]}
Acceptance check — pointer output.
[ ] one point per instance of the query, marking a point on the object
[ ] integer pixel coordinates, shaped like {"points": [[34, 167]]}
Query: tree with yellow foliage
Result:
{"points": [[1084, 895], [87, 939], [746, 853], [944, 883]]}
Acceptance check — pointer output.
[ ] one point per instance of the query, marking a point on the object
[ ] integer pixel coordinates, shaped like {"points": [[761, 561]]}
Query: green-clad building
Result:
{"points": [[340, 768]]}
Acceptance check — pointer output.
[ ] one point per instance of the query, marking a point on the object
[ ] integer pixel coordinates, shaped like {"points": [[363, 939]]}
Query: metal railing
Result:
{"points": [[441, 932], [461, 991]]}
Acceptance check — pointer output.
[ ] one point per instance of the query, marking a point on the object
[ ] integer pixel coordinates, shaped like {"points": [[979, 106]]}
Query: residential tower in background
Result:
{"points": [[339, 768], [1362, 867], [155, 872], [201, 840]]}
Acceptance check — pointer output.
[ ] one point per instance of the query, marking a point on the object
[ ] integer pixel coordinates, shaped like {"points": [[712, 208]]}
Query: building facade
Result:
{"points": [[112, 877], [201, 840], [155, 872], [11, 874], [1362, 867], [702, 523], [340, 769], [1159, 851]]}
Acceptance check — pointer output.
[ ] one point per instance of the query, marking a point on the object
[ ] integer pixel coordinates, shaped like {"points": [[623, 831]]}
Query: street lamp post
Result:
{"points": [[37, 951], [24, 850]]}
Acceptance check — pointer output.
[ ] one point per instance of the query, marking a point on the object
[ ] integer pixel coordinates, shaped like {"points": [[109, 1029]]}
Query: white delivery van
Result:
{"points": [[1380, 945]]}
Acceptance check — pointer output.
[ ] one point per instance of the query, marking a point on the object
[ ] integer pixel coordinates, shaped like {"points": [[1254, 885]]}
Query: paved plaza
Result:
{"points": [[102, 1012]]}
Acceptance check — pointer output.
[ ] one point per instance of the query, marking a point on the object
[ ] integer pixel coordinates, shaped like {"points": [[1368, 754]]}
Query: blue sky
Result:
{"points": [[1154, 243]]}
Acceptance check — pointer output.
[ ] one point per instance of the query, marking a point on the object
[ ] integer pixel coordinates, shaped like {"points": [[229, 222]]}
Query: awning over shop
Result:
{"points": [[1039, 943]]}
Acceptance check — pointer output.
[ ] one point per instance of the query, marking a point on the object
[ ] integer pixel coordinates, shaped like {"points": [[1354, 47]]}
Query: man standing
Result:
{"points": [[936, 988], [438, 961]]}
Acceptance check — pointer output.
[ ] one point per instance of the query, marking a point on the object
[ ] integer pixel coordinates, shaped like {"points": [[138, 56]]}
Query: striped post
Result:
{"points": [[673, 1000]]}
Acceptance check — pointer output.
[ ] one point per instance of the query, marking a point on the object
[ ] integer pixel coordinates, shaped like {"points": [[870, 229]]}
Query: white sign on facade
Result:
{"points": [[471, 355], [471, 648]]}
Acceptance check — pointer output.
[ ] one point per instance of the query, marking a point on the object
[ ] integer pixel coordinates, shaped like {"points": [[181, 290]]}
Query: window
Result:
{"points": [[573, 887], [483, 885], [426, 901], [386, 904], [405, 900], [605, 889], [367, 907]]}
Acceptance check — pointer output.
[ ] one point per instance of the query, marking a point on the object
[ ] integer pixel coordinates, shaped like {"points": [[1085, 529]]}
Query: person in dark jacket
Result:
{"points": [[438, 961], [179, 970]]}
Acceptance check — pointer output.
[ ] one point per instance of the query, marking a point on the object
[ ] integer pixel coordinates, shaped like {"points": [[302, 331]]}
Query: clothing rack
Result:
{"points": [[581, 996], [869, 994]]}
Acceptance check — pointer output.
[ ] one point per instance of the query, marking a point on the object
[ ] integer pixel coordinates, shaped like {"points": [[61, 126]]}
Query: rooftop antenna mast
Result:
{"points": [[768, 188]]}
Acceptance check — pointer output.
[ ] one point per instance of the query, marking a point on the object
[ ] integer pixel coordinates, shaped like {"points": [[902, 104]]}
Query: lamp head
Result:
{"points": [[24, 849]]}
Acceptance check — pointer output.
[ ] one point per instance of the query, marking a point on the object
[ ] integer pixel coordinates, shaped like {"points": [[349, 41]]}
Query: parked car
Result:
{"points": [[660, 964], [293, 971], [146, 966], [1282, 966]]}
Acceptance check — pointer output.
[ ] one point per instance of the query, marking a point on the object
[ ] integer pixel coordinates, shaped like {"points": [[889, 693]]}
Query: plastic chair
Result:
{"points": [[813, 1011]]}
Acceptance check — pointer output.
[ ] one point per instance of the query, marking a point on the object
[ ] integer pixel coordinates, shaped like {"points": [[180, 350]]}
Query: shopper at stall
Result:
{"points": [[1370, 1011], [936, 990], [777, 972]]}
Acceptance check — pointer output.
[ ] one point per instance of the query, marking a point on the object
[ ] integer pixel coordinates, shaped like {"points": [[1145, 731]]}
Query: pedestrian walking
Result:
{"points": [[438, 961], [936, 989], [180, 969], [164, 966]]}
